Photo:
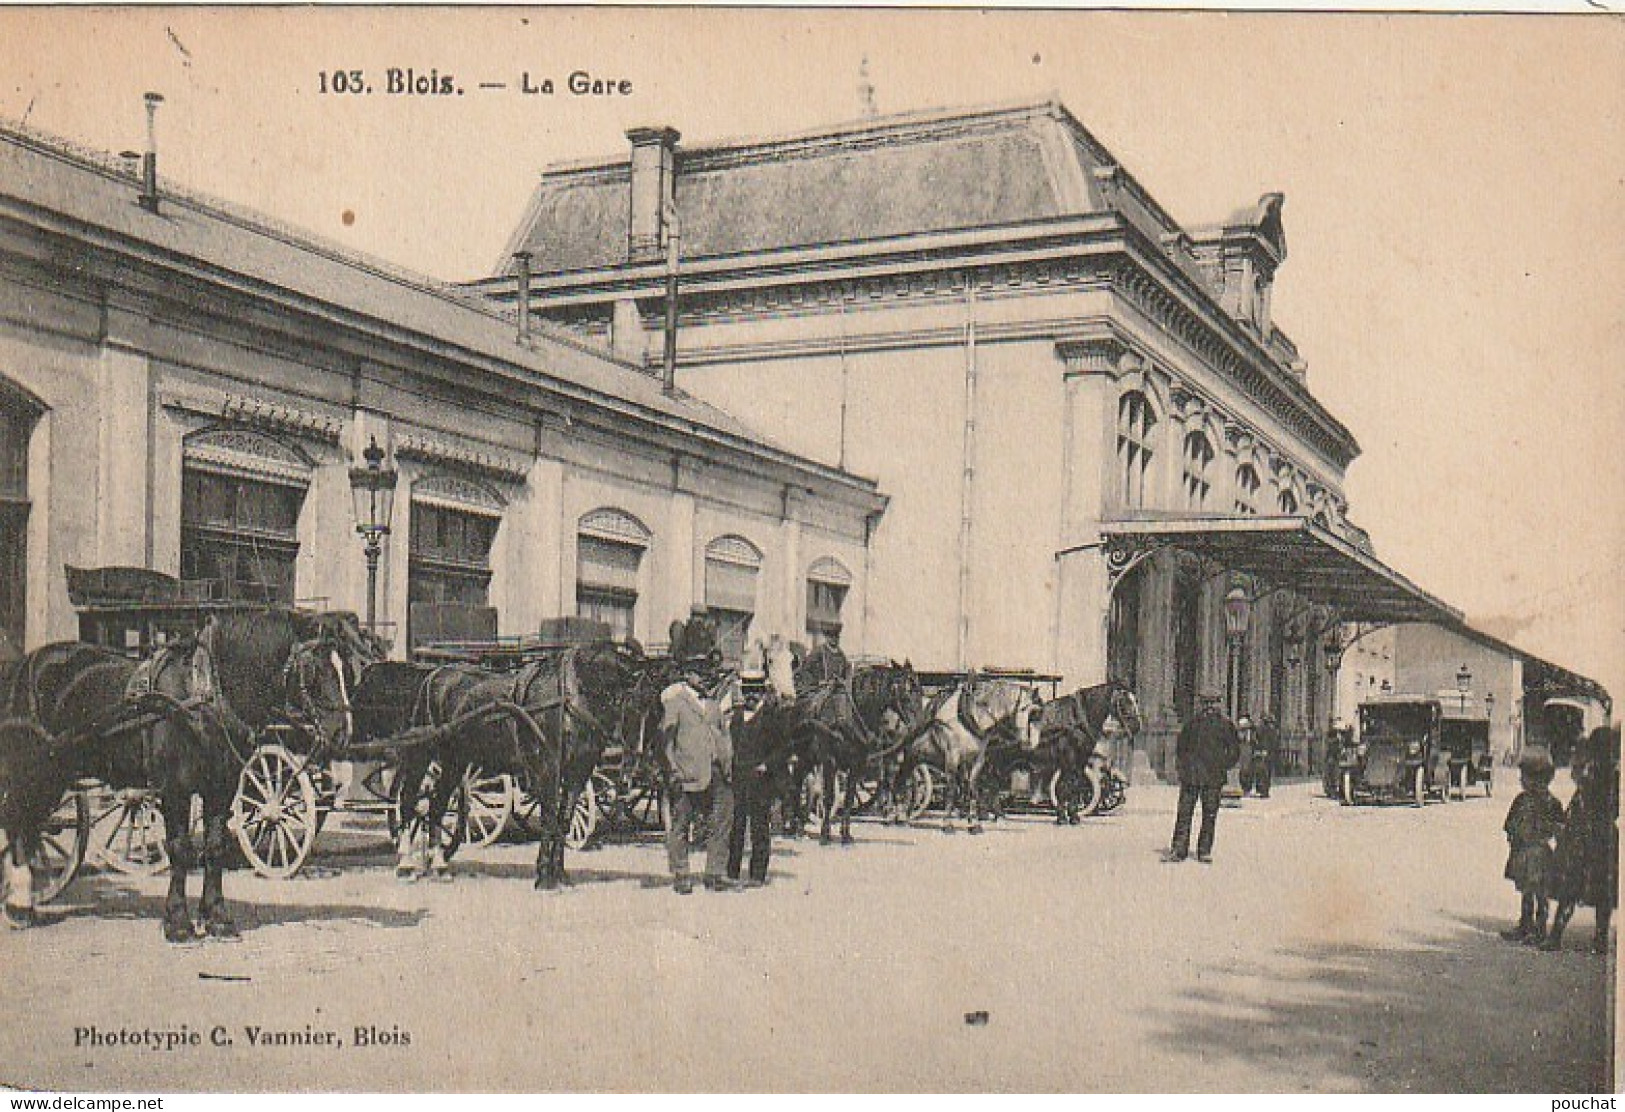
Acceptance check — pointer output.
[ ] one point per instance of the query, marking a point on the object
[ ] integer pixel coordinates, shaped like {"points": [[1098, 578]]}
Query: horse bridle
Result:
{"points": [[301, 707]]}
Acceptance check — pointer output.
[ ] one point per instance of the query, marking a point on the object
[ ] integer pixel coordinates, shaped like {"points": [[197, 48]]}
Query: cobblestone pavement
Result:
{"points": [[1327, 949]]}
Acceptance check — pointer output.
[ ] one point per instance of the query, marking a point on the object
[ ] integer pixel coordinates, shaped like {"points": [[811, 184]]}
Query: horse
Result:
{"points": [[550, 720], [1069, 730], [244, 671], [59, 705], [197, 707], [846, 724], [959, 726]]}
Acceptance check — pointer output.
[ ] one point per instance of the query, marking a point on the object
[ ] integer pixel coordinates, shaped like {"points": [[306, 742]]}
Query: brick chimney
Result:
{"points": [[652, 187]]}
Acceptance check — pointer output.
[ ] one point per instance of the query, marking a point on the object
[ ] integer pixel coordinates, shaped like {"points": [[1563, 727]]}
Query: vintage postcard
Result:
{"points": [[787, 550]]}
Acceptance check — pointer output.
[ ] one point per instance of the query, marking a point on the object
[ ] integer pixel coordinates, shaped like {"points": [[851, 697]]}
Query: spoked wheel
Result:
{"points": [[584, 816], [1091, 791], [275, 812], [61, 851], [489, 800], [918, 792], [134, 845]]}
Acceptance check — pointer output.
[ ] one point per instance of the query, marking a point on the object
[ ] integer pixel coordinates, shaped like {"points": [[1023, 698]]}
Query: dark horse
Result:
{"points": [[1069, 730], [549, 720], [850, 726], [244, 672], [59, 706], [199, 705]]}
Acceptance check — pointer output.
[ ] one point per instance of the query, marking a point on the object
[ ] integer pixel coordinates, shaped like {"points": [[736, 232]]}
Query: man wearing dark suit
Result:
{"points": [[1207, 748], [754, 778]]}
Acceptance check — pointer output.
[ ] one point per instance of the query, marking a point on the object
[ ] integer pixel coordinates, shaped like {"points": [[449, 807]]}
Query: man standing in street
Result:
{"points": [[1207, 749], [699, 755]]}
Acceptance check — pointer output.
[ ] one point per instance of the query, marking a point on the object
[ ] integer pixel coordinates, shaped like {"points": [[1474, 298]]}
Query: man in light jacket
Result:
{"points": [[699, 756]]}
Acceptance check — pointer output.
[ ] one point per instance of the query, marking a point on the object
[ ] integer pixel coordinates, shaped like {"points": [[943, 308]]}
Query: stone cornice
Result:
{"points": [[1044, 255], [442, 450]]}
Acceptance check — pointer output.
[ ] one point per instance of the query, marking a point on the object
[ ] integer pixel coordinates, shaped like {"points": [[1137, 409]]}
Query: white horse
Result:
{"points": [[956, 736]]}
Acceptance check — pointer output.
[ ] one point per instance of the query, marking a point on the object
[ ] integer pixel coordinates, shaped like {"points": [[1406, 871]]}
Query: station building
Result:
{"points": [[185, 387], [1093, 430]]}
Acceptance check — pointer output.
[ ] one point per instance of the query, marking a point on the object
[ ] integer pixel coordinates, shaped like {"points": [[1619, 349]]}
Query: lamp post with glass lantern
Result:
{"points": [[373, 489], [1238, 611]]}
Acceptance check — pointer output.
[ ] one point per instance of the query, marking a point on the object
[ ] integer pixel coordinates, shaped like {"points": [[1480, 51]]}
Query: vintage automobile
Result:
{"points": [[1466, 741], [1397, 754]]}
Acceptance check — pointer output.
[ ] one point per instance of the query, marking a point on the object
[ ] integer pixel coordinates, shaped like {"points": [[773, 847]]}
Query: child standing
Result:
{"points": [[1532, 823]]}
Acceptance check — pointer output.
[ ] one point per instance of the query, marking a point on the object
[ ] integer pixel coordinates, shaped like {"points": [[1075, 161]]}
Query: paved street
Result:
{"points": [[1328, 949]]}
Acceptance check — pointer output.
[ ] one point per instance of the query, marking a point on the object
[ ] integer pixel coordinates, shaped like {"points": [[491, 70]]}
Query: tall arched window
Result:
{"points": [[1288, 503], [16, 423], [241, 493], [732, 566], [1247, 485], [1135, 423], [610, 545], [1198, 459], [828, 582], [448, 583]]}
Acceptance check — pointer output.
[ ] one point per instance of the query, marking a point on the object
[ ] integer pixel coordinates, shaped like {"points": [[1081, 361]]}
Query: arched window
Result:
{"points": [[1198, 459], [17, 419], [1247, 485], [241, 494], [1135, 423], [828, 582], [732, 566], [448, 584], [610, 545], [1289, 503]]}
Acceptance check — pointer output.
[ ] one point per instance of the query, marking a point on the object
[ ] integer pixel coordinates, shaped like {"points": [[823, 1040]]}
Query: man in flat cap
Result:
{"points": [[1208, 747]]}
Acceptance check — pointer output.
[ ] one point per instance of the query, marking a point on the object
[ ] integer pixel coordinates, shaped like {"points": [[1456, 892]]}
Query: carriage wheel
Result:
{"points": [[135, 845], [275, 812], [490, 802], [62, 848], [583, 818], [917, 793], [646, 808], [1092, 790]]}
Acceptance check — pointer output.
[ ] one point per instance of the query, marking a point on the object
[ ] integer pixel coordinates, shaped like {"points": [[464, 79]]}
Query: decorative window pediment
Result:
{"points": [[615, 525], [249, 454], [827, 569], [458, 493], [734, 549]]}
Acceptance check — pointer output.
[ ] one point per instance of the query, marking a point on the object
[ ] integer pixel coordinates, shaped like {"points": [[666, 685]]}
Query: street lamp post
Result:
{"points": [[1238, 611], [373, 489], [1464, 684], [1331, 650]]}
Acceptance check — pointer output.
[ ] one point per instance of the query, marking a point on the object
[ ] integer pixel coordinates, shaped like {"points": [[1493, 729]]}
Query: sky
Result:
{"points": [[1455, 200]]}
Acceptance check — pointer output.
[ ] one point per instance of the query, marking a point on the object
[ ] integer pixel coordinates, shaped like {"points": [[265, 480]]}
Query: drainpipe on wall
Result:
{"points": [[968, 477], [521, 261]]}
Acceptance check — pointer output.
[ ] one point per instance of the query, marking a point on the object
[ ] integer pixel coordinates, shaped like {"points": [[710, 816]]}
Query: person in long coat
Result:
{"points": [[1208, 747], [1585, 869]]}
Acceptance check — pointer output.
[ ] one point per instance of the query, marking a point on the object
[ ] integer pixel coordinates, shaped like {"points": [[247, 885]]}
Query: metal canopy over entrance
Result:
{"points": [[1284, 553]]}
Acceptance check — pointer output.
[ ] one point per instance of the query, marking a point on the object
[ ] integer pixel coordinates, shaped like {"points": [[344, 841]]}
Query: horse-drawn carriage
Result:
{"points": [[1041, 749], [251, 709]]}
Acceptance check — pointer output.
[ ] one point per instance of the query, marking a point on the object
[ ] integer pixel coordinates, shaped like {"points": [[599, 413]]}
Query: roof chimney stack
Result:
{"points": [[521, 260], [149, 162], [653, 191]]}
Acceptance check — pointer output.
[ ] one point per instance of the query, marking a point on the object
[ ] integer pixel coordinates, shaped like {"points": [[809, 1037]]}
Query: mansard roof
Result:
{"points": [[872, 179]]}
